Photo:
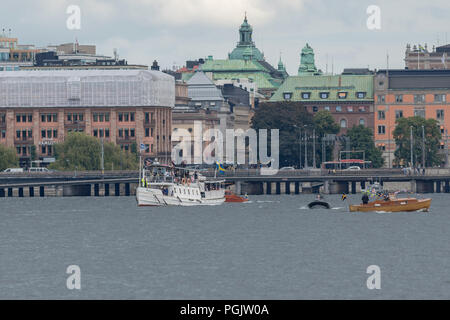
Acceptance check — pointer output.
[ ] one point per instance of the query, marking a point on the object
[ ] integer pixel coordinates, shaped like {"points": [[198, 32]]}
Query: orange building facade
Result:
{"points": [[407, 93]]}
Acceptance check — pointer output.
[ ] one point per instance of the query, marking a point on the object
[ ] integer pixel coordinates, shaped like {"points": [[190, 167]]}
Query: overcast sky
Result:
{"points": [[173, 31]]}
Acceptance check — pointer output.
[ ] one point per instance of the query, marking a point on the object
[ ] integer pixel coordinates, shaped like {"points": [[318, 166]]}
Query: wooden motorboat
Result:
{"points": [[318, 204], [394, 205], [232, 197]]}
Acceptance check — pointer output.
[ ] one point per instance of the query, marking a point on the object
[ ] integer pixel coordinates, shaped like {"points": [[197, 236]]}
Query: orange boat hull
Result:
{"points": [[234, 198], [397, 205]]}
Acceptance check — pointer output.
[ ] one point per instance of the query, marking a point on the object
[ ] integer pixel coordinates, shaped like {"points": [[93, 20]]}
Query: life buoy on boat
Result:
{"points": [[183, 181]]}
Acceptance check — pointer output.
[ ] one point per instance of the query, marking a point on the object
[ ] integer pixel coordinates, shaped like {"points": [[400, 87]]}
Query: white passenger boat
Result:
{"points": [[170, 186]]}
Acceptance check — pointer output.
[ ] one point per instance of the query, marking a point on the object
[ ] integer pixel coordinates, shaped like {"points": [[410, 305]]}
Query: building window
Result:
{"points": [[398, 114], [350, 109], [360, 95], [419, 98], [287, 95], [381, 129], [18, 134], [362, 122], [440, 114], [120, 133], [147, 132], [55, 134], [30, 118], [362, 109], [3, 134], [306, 95], [126, 117], [120, 116], [131, 132], [18, 118], [95, 117], [324, 95], [107, 133], [381, 115], [132, 116], [327, 108], [147, 117], [342, 95], [107, 117], [439, 98], [69, 117], [43, 134], [399, 98], [95, 133], [343, 123], [315, 109], [419, 113], [381, 98], [338, 108]]}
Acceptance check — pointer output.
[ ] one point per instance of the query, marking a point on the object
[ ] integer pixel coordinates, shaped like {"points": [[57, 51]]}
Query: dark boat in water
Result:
{"points": [[319, 203]]}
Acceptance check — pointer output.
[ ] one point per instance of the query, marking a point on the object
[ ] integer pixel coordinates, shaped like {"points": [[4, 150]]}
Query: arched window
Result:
{"points": [[343, 123]]}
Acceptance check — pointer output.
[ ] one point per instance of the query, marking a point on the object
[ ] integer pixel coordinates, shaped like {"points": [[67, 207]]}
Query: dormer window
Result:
{"points": [[324, 95], [360, 95], [306, 95], [287, 95], [342, 95]]}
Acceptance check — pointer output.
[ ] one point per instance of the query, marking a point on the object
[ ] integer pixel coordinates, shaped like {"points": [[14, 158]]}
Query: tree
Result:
{"points": [[361, 138], [324, 124], [8, 158], [82, 152], [402, 136], [289, 118]]}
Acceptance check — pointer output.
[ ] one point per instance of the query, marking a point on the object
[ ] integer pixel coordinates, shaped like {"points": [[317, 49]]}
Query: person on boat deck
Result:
{"points": [[365, 198], [318, 197], [386, 197]]}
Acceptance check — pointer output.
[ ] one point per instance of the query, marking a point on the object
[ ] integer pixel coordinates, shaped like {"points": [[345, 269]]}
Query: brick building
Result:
{"points": [[39, 108], [409, 93]]}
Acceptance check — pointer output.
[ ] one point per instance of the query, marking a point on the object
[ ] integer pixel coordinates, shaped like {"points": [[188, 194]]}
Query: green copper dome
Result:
{"points": [[246, 47], [307, 64]]}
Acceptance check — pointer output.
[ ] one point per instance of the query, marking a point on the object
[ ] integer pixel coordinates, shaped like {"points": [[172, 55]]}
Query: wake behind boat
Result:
{"points": [[162, 185]]}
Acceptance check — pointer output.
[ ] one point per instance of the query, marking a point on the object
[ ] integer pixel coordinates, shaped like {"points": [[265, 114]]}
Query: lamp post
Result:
{"points": [[314, 148], [423, 146], [411, 147], [299, 146], [306, 148]]}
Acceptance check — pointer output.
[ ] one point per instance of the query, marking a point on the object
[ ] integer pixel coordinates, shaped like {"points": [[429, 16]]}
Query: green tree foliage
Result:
{"points": [[8, 158], [361, 138], [402, 136], [289, 118], [324, 124], [82, 152]]}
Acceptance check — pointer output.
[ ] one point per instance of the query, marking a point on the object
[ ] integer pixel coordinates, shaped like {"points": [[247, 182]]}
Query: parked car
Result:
{"points": [[13, 170], [353, 168], [287, 169], [38, 169]]}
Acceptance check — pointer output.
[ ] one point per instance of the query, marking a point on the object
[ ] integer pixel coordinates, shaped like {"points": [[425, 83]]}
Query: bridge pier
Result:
{"points": [[41, 191], [447, 187], [20, 192], [278, 188], [106, 189], [2, 193], [10, 192], [438, 186], [297, 187], [353, 183], [288, 188], [96, 190], [117, 189]]}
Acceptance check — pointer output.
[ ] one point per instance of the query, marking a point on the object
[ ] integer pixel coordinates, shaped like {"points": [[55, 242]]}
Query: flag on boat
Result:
{"points": [[344, 196], [219, 167]]}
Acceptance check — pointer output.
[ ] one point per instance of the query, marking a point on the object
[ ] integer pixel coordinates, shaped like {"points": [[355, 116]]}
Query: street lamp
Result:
{"points": [[411, 147], [299, 146], [423, 146]]}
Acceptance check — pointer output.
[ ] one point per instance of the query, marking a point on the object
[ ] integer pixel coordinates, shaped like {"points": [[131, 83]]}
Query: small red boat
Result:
{"points": [[232, 197]]}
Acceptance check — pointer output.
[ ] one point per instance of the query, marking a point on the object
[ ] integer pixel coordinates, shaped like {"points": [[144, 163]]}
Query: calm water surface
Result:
{"points": [[271, 248]]}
